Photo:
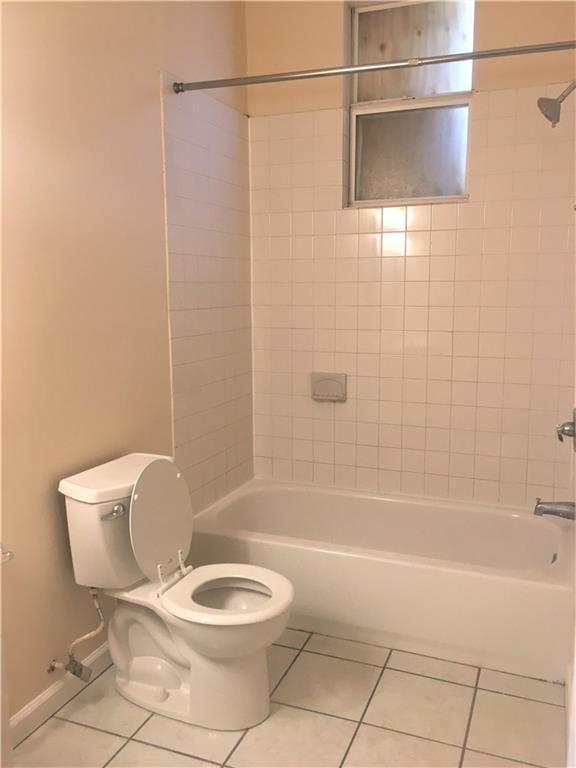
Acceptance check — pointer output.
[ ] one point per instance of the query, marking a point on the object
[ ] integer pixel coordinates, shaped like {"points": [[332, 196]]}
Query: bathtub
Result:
{"points": [[479, 585]]}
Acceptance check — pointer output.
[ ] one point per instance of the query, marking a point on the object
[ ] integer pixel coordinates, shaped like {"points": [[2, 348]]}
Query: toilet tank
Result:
{"points": [[97, 510]]}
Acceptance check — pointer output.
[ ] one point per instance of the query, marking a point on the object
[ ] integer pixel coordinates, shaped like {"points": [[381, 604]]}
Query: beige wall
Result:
{"points": [[284, 36], [501, 24], [86, 352]]}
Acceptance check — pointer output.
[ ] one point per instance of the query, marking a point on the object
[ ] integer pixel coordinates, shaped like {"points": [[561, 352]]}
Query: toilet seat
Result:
{"points": [[179, 601], [161, 526], [161, 520]]}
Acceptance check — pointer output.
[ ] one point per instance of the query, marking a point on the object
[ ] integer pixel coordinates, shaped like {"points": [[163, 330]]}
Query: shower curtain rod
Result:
{"points": [[307, 74]]}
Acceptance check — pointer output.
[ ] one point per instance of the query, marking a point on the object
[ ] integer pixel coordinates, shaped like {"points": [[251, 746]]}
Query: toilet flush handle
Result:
{"points": [[117, 511]]}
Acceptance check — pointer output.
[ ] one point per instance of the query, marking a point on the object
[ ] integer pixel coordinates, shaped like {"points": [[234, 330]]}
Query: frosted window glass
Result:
{"points": [[412, 153], [412, 31]]}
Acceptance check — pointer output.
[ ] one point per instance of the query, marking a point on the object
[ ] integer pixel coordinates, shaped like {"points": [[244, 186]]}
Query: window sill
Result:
{"points": [[408, 201]]}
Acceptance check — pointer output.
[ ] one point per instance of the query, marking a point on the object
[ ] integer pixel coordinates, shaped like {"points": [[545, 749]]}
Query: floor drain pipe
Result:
{"points": [[74, 666]]}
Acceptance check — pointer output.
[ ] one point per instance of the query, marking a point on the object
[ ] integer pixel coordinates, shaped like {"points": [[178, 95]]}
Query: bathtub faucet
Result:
{"points": [[558, 508]]}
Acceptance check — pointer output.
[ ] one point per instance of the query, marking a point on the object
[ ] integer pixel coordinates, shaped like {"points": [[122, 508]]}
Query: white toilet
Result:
{"points": [[187, 643]]}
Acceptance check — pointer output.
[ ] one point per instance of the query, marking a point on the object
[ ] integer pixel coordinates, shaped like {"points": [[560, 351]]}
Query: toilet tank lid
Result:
{"points": [[108, 482]]}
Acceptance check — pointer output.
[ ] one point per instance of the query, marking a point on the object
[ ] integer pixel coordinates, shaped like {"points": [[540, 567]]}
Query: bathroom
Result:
{"points": [[357, 358]]}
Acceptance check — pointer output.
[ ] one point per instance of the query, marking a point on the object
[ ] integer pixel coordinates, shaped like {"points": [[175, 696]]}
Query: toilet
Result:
{"points": [[188, 643]]}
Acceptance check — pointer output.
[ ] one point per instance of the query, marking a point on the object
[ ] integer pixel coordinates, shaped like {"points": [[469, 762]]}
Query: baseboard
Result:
{"points": [[571, 713], [55, 696]]}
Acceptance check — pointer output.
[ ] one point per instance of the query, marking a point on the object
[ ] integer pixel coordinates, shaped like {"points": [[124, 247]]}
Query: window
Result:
{"points": [[409, 127]]}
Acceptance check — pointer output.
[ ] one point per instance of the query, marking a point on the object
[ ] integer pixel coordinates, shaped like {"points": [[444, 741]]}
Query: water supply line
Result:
{"points": [[74, 666]]}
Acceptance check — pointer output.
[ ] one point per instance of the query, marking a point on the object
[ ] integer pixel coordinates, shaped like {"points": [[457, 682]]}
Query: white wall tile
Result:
{"points": [[209, 282], [445, 317]]}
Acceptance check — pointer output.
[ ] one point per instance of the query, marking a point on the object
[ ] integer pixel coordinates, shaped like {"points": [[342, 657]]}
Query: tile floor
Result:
{"points": [[335, 703]]}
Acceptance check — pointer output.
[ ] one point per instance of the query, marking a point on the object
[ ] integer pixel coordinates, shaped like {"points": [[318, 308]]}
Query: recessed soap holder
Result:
{"points": [[328, 387]]}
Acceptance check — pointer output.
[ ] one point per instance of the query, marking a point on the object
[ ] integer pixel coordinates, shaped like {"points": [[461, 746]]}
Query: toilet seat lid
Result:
{"points": [[161, 520]]}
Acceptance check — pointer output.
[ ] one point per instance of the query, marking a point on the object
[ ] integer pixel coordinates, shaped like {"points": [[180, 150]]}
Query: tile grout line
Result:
{"points": [[373, 725], [400, 650], [294, 660], [173, 751], [525, 677], [344, 658], [469, 723], [524, 698], [142, 724], [299, 652], [365, 710], [288, 668], [435, 658], [421, 674], [54, 714], [315, 711], [91, 727], [426, 656], [412, 735], [431, 677], [379, 727], [127, 741], [231, 752], [511, 759], [350, 640]]}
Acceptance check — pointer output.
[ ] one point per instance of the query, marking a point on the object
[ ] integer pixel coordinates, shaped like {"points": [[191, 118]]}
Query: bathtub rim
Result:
{"points": [[205, 522]]}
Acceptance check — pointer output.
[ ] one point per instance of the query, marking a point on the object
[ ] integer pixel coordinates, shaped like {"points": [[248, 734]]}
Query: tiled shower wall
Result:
{"points": [[454, 322], [206, 166]]}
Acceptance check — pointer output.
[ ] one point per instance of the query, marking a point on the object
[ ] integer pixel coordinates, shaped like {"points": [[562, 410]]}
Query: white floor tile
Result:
{"points": [[101, 706], [293, 638], [376, 747], [333, 686], [190, 739], [347, 649], [420, 706], [518, 729], [552, 693], [65, 745], [424, 665], [135, 755], [279, 659], [479, 760], [294, 738]]}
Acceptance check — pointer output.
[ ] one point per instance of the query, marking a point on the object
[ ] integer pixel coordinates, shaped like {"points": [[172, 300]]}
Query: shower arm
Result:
{"points": [[566, 92], [308, 74]]}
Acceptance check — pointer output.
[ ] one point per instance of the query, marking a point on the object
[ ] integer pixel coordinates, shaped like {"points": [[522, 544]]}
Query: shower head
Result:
{"points": [[550, 108]]}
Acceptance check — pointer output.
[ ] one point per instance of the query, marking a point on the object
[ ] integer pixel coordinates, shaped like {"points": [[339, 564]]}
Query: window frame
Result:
{"points": [[461, 99], [408, 103], [367, 7]]}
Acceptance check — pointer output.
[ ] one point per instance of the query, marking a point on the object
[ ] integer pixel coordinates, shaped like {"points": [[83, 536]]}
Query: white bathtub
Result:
{"points": [[489, 587]]}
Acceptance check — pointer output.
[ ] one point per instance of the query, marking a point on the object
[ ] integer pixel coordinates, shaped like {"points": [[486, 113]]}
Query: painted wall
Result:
{"points": [[209, 283], [86, 341], [524, 22], [285, 36]]}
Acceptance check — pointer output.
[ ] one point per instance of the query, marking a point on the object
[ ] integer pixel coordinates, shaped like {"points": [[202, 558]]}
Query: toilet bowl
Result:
{"points": [[188, 643]]}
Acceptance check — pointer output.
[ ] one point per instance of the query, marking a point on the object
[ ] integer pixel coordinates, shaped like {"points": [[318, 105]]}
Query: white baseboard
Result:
{"points": [[571, 713], [55, 696]]}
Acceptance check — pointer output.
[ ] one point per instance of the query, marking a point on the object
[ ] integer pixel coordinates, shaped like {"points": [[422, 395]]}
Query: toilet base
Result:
{"points": [[187, 671], [220, 694]]}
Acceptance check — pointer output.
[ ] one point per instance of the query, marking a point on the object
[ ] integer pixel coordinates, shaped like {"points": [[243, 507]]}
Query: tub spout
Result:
{"points": [[563, 509]]}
